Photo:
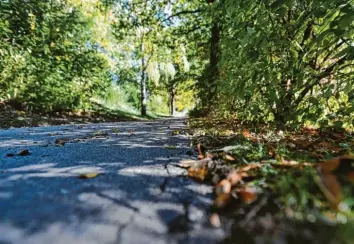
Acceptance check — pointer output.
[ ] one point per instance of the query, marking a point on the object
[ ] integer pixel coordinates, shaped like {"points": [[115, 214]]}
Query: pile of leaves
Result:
{"points": [[277, 185]]}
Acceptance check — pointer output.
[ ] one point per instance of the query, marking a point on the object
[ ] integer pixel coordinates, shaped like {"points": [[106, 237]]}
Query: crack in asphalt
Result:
{"points": [[42, 198]]}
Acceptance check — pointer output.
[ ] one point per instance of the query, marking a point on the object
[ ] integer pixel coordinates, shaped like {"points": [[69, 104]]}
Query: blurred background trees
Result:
{"points": [[288, 62]]}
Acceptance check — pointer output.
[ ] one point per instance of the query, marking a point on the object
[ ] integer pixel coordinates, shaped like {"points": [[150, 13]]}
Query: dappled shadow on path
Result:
{"points": [[138, 193]]}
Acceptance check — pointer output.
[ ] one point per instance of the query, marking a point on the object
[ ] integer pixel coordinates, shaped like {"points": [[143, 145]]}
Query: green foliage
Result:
{"points": [[289, 62], [48, 60], [285, 60], [125, 97]]}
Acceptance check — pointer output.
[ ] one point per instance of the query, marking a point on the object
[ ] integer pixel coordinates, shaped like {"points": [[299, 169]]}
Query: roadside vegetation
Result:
{"points": [[268, 84]]}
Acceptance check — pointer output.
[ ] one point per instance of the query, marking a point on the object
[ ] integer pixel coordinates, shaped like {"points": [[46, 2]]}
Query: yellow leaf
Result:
{"points": [[88, 175], [170, 147], [175, 132]]}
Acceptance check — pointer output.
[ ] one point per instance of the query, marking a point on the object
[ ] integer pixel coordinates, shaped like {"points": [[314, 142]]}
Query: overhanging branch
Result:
{"points": [[182, 13]]}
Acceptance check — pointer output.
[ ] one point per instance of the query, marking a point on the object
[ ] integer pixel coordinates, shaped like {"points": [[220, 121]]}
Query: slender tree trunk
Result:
{"points": [[172, 102], [209, 86], [214, 59], [143, 93]]}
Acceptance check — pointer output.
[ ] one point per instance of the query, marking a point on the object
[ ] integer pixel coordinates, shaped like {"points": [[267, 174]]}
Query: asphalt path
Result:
{"points": [[138, 195]]}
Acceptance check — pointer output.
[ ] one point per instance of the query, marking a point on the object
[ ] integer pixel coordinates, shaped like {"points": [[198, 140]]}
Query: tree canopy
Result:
{"points": [[287, 62]]}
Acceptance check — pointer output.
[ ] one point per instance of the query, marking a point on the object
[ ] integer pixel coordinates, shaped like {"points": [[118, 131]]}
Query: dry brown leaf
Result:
{"points": [[331, 188], [61, 142], [193, 163], [222, 187], [247, 194], [250, 166], [292, 164], [229, 158], [24, 152], [222, 200], [333, 164], [88, 175], [199, 173], [328, 180], [245, 133], [234, 177]]}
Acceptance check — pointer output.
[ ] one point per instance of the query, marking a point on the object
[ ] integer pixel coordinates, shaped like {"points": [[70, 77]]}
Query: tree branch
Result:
{"points": [[182, 13], [327, 72], [339, 44]]}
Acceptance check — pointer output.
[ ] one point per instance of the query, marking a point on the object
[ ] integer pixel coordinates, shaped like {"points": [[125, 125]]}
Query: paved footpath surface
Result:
{"points": [[140, 197]]}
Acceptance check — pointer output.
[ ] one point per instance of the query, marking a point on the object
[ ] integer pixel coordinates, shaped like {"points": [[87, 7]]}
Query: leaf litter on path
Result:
{"points": [[296, 174]]}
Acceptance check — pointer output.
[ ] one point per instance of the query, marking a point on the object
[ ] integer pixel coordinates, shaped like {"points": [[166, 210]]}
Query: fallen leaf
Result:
{"points": [[199, 173], [247, 194], [222, 200], [222, 187], [193, 163], [170, 147], [88, 175], [250, 166], [214, 220], [229, 158], [343, 163], [292, 164], [24, 152], [234, 177], [61, 142], [245, 133], [328, 182], [331, 188]]}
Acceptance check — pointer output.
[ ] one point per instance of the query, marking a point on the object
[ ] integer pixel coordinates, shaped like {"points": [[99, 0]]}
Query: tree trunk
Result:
{"points": [[214, 57], [172, 103], [143, 93]]}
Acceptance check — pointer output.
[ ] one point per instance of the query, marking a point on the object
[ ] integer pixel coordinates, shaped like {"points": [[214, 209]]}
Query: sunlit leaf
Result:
{"points": [[199, 173], [88, 175]]}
